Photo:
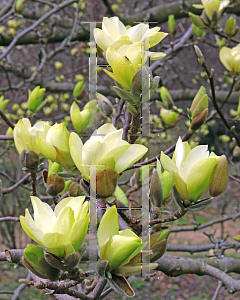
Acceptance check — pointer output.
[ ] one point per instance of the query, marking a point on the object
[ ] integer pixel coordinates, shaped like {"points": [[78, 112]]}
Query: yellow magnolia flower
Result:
{"points": [[230, 58], [210, 5], [121, 248], [61, 231], [194, 170], [114, 34], [124, 48], [55, 146], [105, 147], [25, 135]]}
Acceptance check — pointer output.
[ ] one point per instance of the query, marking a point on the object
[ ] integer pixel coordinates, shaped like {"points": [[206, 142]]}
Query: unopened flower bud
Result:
{"points": [[79, 91], [104, 105], [215, 18], [35, 98], [199, 120], [230, 27], [156, 192], [220, 177], [172, 26], [19, 7], [197, 21], [29, 159], [199, 54], [158, 244]]}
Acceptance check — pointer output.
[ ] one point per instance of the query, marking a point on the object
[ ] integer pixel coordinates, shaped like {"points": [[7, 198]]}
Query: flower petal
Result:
{"points": [[108, 226], [130, 156]]}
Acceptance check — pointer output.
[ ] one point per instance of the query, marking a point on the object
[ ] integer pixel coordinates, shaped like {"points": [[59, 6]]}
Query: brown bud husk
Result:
{"points": [[51, 273], [29, 159], [74, 190], [106, 182], [54, 261], [220, 177], [169, 199], [73, 259], [55, 184], [102, 267], [199, 120]]}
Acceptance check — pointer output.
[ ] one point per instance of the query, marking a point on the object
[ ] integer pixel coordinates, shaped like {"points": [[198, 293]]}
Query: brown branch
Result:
{"points": [[4, 219], [215, 105], [13, 187], [6, 137], [176, 266], [208, 224], [234, 178], [177, 215], [6, 120], [118, 112], [99, 288], [60, 287], [202, 248], [34, 25]]}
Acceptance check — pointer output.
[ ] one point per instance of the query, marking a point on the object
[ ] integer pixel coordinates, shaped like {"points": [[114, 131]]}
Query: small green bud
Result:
{"points": [[198, 21], [3, 103], [198, 31], [172, 26], [230, 27], [199, 54], [79, 91], [35, 98], [29, 159], [166, 97], [215, 18], [19, 7]]}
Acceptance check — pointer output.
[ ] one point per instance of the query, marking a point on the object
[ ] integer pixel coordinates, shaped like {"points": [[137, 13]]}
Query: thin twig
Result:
{"points": [[34, 25]]}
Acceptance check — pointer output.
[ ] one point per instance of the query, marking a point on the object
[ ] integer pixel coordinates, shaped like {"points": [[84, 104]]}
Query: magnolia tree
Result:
{"points": [[92, 224]]}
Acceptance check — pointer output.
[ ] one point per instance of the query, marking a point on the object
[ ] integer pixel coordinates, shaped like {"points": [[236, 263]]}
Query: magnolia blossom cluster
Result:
{"points": [[127, 50]]}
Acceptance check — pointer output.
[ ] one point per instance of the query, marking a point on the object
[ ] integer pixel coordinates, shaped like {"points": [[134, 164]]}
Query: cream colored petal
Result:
{"points": [[30, 227], [108, 226], [93, 151], [130, 156], [65, 221], [102, 39], [106, 129], [192, 157], [63, 203], [179, 153], [168, 164], [111, 55], [42, 218], [75, 146], [46, 149], [200, 176], [113, 138]]}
